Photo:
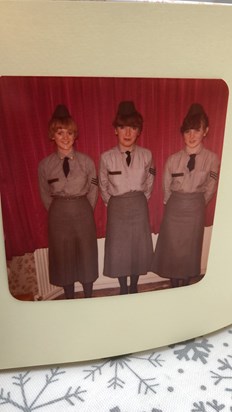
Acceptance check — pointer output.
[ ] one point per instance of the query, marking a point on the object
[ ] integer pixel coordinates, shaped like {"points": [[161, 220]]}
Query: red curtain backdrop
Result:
{"points": [[26, 105]]}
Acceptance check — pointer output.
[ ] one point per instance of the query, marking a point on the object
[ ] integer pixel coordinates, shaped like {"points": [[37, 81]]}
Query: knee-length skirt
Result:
{"points": [[179, 244], [73, 254], [128, 244]]}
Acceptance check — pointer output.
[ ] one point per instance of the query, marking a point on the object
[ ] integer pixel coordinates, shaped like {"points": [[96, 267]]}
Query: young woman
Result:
{"points": [[126, 179], [68, 188], [189, 181]]}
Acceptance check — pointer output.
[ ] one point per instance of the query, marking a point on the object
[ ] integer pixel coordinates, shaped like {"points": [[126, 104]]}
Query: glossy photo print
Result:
{"points": [[109, 185], [91, 237]]}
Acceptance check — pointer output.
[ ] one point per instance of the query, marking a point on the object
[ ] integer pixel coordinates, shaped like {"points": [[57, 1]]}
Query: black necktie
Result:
{"points": [[66, 166], [128, 159], [191, 162]]}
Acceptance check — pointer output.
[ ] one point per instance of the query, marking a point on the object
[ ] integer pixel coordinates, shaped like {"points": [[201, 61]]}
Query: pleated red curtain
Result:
{"points": [[26, 105]]}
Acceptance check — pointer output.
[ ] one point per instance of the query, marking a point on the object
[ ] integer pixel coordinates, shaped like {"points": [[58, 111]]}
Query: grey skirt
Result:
{"points": [[128, 244], [73, 254], [179, 244]]}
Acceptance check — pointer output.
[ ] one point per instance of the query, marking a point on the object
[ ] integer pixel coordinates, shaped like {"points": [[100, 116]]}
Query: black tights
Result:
{"points": [[124, 289], [69, 290], [88, 288]]}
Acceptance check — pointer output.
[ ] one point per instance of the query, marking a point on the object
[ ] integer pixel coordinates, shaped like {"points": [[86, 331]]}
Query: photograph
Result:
{"points": [[109, 184], [115, 171]]}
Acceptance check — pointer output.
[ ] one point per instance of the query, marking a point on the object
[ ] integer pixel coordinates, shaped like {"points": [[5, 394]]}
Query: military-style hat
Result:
{"points": [[61, 112]]}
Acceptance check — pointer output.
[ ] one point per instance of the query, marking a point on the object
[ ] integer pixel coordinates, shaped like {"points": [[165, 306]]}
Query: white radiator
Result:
{"points": [[46, 291]]}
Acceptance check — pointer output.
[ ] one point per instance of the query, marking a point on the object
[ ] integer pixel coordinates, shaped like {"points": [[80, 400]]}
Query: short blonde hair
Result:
{"points": [[57, 123]]}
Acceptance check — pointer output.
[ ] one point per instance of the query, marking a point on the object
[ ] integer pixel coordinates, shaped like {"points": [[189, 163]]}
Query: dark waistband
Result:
{"points": [[188, 195], [73, 197], [134, 193]]}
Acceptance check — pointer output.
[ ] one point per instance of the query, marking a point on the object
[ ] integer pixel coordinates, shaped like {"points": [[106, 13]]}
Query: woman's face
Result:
{"points": [[127, 136], [64, 139], [194, 137]]}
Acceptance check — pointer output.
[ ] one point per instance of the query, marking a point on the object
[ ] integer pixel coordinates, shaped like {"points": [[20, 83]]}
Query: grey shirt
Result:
{"points": [[203, 178], [116, 178], [81, 180]]}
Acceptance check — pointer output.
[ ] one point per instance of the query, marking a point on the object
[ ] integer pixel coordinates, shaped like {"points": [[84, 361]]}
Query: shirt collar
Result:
{"points": [[125, 150], [196, 150], [70, 155]]}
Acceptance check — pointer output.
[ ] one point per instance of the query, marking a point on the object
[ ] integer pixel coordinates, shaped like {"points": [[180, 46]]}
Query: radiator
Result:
{"points": [[46, 291]]}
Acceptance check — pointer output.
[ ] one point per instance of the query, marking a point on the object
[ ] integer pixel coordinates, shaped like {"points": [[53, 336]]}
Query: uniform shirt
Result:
{"points": [[81, 180], [203, 178], [117, 178]]}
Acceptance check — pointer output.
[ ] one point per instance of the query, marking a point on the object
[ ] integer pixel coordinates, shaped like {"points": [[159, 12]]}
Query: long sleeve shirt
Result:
{"points": [[203, 178], [81, 180], [116, 178]]}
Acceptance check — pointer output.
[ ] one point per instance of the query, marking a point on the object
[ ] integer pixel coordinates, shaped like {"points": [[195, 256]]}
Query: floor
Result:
{"points": [[148, 287]]}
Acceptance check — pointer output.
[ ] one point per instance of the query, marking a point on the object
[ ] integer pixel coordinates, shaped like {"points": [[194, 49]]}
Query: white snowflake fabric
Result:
{"points": [[192, 376]]}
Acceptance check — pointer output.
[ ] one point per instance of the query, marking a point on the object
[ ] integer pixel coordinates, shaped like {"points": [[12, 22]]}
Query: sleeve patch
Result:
{"points": [[94, 181], [152, 171], [214, 175]]}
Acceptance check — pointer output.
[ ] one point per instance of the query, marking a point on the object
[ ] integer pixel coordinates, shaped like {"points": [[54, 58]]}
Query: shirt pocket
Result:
{"points": [[201, 178], [115, 178], [55, 185], [177, 181]]}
